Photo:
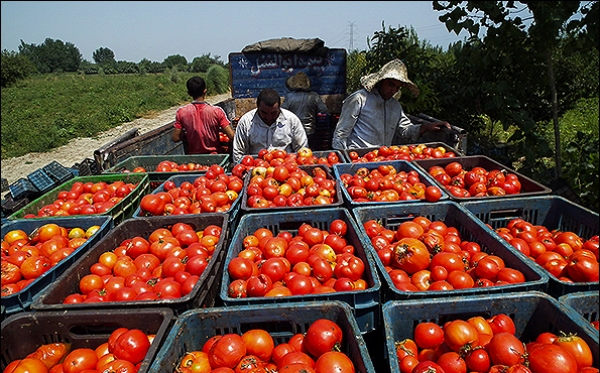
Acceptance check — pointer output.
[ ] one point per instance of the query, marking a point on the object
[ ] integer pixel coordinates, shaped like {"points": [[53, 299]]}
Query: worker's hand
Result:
{"points": [[433, 126]]}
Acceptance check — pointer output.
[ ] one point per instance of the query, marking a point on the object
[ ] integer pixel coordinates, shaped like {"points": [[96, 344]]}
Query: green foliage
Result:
{"points": [[104, 57], [217, 80], [175, 60], [15, 68], [355, 65], [52, 55], [202, 63], [47, 111]]}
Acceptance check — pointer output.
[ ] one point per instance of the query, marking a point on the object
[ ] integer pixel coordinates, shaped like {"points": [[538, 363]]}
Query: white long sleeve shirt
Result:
{"points": [[367, 120], [252, 134]]}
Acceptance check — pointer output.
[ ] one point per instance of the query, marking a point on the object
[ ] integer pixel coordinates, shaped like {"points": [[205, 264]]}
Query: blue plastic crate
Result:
{"points": [[533, 313], [22, 300], [23, 188], [193, 328], [41, 181], [119, 212], [362, 151], [529, 187], [350, 168], [178, 180], [23, 333], [58, 172], [553, 212], [585, 304], [150, 162], [203, 294], [365, 303], [338, 200], [470, 229]]}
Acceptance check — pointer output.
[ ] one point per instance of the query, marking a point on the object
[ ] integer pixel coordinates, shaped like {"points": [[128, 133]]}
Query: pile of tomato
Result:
{"points": [[170, 166], [423, 255], [86, 199], [123, 352], [401, 153], [490, 345], [386, 184], [290, 185], [215, 191], [165, 265], [316, 351], [477, 182], [564, 254], [26, 257], [312, 262], [277, 157]]}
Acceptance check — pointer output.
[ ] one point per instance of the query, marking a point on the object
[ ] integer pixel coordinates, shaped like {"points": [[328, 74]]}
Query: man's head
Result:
{"points": [[394, 70], [387, 88], [268, 103], [196, 87]]}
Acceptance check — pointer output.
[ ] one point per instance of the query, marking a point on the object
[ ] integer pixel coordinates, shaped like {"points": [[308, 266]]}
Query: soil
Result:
{"points": [[79, 149]]}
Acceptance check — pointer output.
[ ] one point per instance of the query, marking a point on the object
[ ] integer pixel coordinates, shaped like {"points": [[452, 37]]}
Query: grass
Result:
{"points": [[47, 111]]}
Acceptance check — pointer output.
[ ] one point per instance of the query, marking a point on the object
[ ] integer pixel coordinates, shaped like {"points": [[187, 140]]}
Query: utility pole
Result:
{"points": [[351, 44]]}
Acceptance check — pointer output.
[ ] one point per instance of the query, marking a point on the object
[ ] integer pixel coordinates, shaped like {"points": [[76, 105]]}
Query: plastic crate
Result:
{"points": [[470, 229], [584, 303], [150, 162], [178, 180], [365, 303], [58, 172], [533, 313], [4, 185], [553, 212], [41, 181], [11, 205], [193, 328], [87, 167], [320, 154], [23, 333], [350, 168], [362, 151], [338, 200], [203, 294], [22, 300], [529, 187], [119, 212], [23, 188]]}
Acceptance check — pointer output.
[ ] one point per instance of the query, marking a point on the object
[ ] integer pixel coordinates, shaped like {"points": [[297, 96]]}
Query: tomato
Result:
{"points": [[433, 193], [583, 269], [322, 336], [578, 348], [502, 323], [227, 351], [452, 362], [258, 285], [505, 349], [409, 229], [79, 360], [458, 333], [545, 358], [428, 335], [410, 255], [349, 265], [131, 345], [334, 361], [478, 360], [259, 343], [428, 367]]}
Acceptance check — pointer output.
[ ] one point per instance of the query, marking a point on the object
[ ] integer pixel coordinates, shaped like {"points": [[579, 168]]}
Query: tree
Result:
{"points": [[175, 60], [201, 64], [217, 80], [104, 57], [15, 67], [522, 48], [52, 56]]}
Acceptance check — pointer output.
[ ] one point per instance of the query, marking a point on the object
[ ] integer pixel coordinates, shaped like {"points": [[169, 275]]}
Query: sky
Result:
{"points": [[154, 30]]}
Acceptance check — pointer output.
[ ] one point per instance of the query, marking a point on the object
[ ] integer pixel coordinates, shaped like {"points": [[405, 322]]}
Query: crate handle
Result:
{"points": [[506, 214]]}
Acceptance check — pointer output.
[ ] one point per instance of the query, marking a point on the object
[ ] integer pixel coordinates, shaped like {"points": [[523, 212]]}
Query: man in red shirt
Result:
{"points": [[198, 124]]}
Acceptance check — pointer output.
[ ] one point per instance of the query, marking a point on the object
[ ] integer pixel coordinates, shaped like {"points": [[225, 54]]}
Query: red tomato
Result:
{"points": [[322, 336], [79, 360], [578, 348], [428, 335], [458, 333], [502, 323], [132, 345], [545, 358], [410, 255], [505, 349], [334, 361], [259, 343], [227, 351]]}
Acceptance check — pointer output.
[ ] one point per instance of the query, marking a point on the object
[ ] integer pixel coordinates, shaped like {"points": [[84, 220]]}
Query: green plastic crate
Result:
{"points": [[23, 333], [121, 211], [553, 212], [149, 162], [193, 328], [533, 313]]}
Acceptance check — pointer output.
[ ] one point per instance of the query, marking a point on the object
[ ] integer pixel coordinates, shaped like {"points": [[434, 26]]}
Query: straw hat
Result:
{"points": [[299, 81], [394, 69]]}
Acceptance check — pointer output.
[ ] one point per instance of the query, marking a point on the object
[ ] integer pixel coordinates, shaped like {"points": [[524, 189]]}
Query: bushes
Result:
{"points": [[15, 67], [217, 80]]}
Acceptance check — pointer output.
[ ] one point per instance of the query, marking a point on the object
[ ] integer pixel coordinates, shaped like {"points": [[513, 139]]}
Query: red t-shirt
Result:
{"points": [[201, 123]]}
